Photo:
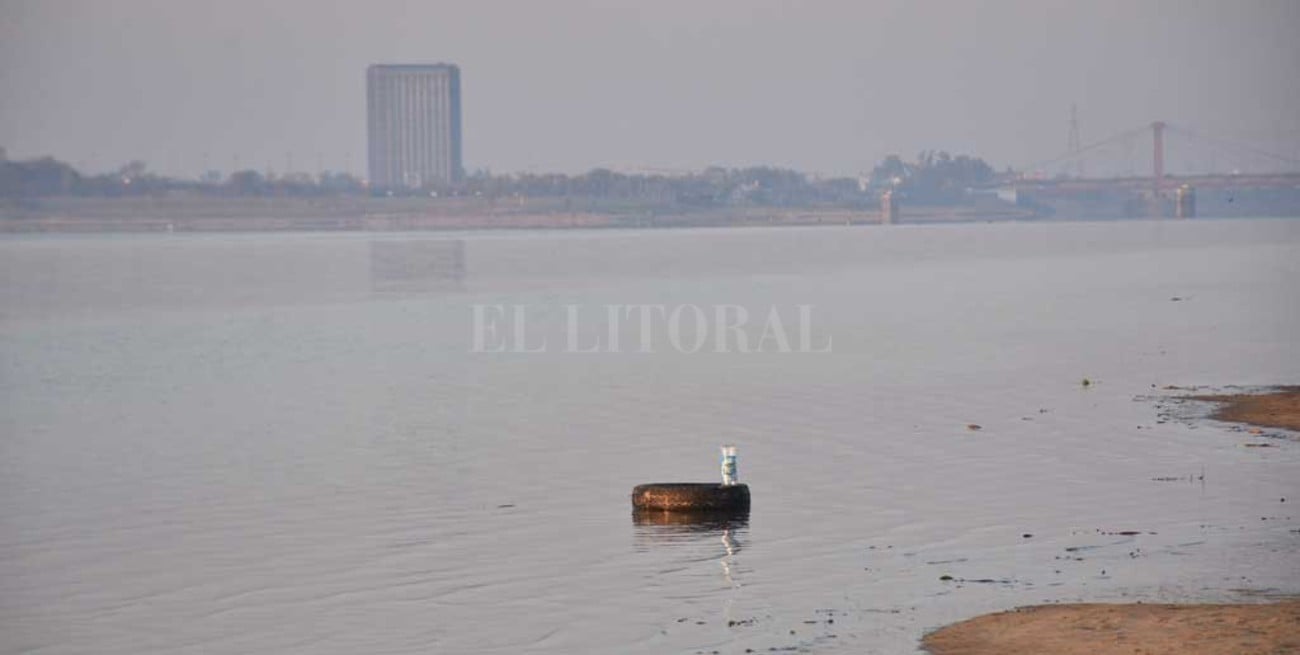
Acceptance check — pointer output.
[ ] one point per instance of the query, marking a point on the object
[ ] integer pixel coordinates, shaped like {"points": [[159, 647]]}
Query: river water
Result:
{"points": [[334, 443]]}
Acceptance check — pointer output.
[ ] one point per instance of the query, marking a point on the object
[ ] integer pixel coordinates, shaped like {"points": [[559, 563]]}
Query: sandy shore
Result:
{"points": [[1131, 628], [1276, 409], [1110, 629]]}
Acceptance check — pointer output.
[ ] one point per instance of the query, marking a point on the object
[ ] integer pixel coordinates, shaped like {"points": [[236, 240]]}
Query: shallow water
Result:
{"points": [[285, 443]]}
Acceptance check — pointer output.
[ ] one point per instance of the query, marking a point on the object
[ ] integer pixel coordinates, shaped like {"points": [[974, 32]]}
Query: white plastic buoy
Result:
{"points": [[728, 465]]}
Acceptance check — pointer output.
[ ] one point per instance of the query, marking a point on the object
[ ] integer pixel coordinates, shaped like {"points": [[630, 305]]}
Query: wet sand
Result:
{"points": [[1104, 629], [1137, 628], [1276, 409]]}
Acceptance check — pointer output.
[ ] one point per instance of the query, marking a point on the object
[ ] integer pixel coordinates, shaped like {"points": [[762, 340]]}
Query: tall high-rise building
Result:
{"points": [[413, 124]]}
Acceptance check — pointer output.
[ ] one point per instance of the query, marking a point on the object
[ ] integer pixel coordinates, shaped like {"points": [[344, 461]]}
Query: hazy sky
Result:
{"points": [[567, 85]]}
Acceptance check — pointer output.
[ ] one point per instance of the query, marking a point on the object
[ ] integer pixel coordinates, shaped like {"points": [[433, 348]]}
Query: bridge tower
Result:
{"points": [[1073, 142], [1158, 157]]}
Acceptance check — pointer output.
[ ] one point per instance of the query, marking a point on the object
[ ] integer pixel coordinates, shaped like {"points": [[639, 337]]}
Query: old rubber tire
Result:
{"points": [[691, 497]]}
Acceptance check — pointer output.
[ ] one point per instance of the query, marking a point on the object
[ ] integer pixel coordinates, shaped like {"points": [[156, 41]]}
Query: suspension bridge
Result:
{"points": [[1157, 170]]}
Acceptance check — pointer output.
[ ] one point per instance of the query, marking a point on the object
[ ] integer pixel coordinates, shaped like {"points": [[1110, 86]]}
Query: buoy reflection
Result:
{"points": [[691, 521], [696, 537], [660, 528]]}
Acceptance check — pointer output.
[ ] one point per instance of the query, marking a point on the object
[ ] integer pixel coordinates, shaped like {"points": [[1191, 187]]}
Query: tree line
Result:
{"points": [[934, 177]]}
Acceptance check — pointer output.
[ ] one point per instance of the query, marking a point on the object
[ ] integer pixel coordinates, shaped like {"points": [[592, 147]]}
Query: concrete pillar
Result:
{"points": [[1185, 202], [888, 208]]}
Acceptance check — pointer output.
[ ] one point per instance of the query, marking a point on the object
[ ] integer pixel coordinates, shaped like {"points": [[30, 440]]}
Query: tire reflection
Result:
{"points": [[698, 536]]}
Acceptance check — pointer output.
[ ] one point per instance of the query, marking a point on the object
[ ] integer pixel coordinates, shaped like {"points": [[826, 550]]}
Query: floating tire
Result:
{"points": [[691, 497]]}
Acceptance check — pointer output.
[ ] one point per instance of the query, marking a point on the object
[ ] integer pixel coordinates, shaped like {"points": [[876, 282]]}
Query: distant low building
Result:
{"points": [[413, 125]]}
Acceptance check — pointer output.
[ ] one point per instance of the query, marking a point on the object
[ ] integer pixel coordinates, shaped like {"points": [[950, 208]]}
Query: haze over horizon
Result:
{"points": [[570, 85]]}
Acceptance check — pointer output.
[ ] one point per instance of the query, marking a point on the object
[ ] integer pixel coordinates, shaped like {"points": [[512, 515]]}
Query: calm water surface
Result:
{"points": [[285, 444]]}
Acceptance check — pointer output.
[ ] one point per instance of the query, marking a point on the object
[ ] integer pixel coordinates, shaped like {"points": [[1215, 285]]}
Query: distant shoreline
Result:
{"points": [[80, 225], [189, 214]]}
